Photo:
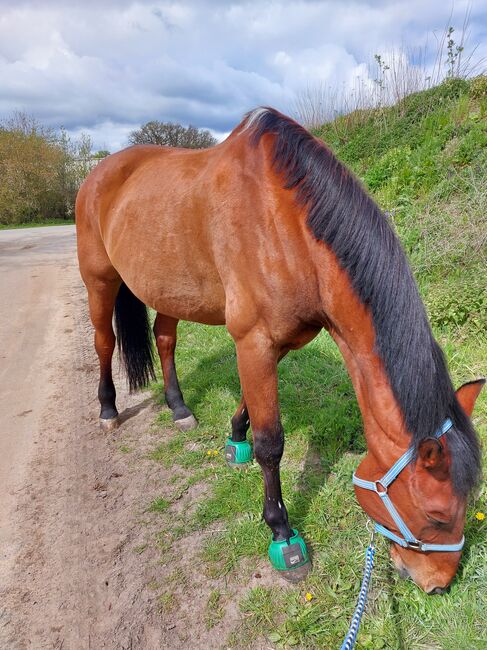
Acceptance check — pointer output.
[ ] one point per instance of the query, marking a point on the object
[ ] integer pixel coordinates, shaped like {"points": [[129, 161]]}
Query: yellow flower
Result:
{"points": [[480, 516], [216, 452], [209, 452], [309, 596]]}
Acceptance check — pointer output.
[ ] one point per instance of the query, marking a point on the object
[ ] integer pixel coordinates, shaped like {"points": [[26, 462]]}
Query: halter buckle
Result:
{"points": [[416, 545]]}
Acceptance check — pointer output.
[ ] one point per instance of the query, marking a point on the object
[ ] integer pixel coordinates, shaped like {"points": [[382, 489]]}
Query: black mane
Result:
{"points": [[342, 214]]}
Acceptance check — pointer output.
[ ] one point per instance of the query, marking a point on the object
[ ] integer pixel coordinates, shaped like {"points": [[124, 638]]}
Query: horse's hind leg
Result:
{"points": [[101, 298], [165, 331]]}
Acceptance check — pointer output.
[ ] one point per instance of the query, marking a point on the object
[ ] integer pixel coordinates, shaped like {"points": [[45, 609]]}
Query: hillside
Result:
{"points": [[425, 161]]}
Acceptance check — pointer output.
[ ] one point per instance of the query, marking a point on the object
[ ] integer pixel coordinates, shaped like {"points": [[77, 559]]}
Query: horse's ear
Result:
{"points": [[468, 393], [431, 453]]}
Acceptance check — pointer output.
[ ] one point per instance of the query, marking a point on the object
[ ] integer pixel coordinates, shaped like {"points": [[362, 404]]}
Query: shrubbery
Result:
{"points": [[40, 171]]}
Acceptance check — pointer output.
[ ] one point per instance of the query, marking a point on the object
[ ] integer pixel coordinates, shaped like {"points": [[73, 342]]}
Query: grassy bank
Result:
{"points": [[425, 161]]}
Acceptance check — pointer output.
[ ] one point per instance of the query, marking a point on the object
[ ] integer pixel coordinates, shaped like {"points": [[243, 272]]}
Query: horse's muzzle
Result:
{"points": [[438, 591]]}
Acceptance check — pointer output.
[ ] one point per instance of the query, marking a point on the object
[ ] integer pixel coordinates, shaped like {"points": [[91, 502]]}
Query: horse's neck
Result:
{"points": [[383, 421], [351, 325]]}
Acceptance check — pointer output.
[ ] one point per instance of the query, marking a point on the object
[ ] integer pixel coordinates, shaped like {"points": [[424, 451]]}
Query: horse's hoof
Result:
{"points": [[296, 575], [186, 424], [238, 454], [290, 557], [109, 424]]}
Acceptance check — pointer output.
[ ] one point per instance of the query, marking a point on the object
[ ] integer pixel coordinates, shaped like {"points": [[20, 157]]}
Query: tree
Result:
{"points": [[172, 135], [40, 170], [30, 160]]}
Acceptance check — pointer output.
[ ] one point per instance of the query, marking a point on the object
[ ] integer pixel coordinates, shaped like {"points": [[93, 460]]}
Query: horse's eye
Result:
{"points": [[439, 523]]}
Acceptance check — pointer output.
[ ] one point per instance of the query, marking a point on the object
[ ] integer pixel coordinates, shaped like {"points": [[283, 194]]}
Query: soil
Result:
{"points": [[82, 561]]}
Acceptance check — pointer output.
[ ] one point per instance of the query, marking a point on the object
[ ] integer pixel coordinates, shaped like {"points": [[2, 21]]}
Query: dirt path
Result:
{"points": [[69, 577]]}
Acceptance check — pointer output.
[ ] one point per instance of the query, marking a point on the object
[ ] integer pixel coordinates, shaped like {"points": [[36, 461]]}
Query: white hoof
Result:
{"points": [[109, 424], [186, 424]]}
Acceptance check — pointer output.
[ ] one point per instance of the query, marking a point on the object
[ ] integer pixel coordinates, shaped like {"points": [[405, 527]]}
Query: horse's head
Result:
{"points": [[427, 502]]}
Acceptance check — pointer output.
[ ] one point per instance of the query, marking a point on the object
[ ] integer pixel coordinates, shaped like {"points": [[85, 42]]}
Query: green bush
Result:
{"points": [[40, 171]]}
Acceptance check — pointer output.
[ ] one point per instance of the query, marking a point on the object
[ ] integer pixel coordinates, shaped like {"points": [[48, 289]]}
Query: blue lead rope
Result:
{"points": [[351, 637]]}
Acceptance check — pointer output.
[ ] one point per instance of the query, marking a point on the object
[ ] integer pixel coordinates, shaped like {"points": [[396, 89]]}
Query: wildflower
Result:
{"points": [[309, 597], [209, 452], [480, 516], [216, 452]]}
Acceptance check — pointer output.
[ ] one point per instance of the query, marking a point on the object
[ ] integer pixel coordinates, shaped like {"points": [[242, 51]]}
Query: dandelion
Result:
{"points": [[309, 597], [209, 452], [480, 516]]}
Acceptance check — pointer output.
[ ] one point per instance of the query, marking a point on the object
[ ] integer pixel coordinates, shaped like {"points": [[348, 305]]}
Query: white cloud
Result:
{"points": [[108, 66]]}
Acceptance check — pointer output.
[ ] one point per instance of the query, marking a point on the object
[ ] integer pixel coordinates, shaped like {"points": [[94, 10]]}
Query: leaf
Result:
{"points": [[274, 637]]}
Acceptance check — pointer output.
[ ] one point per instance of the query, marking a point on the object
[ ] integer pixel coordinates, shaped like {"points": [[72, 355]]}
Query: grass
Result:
{"points": [[36, 224], [159, 505], [425, 162], [324, 444], [214, 610]]}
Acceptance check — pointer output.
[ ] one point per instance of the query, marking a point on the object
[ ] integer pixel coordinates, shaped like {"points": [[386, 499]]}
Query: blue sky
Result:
{"points": [[106, 67]]}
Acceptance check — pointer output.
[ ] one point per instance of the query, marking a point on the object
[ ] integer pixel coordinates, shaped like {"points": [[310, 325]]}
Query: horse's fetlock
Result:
{"points": [[275, 515]]}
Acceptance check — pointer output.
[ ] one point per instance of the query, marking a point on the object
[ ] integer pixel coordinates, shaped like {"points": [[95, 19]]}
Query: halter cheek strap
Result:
{"points": [[380, 487]]}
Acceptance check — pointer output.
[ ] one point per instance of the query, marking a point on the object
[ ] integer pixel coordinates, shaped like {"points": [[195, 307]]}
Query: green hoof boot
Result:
{"points": [[290, 557], [237, 453]]}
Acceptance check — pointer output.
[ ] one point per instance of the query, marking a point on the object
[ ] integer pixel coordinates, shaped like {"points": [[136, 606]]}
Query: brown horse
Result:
{"points": [[269, 234]]}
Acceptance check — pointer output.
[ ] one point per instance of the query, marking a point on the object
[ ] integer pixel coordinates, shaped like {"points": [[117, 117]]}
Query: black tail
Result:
{"points": [[134, 338]]}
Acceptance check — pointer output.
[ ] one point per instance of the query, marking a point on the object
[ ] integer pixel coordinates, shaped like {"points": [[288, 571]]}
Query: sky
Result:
{"points": [[105, 67]]}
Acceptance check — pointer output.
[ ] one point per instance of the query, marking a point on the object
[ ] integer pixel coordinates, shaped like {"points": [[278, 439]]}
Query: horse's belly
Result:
{"points": [[189, 301], [180, 295]]}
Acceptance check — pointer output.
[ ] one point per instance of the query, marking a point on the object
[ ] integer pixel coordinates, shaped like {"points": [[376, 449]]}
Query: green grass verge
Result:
{"points": [[35, 224], [324, 443]]}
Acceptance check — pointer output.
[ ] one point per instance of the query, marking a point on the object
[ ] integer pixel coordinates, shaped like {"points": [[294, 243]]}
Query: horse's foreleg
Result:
{"points": [[257, 365], [240, 420], [165, 331], [101, 299]]}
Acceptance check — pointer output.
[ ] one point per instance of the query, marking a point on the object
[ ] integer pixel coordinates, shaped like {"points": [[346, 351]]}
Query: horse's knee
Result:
{"points": [[269, 447]]}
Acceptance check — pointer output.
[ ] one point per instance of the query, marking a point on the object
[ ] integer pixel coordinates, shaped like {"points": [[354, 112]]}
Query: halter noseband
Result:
{"points": [[380, 487]]}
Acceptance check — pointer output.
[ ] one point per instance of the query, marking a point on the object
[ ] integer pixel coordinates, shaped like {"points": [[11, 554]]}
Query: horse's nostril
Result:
{"points": [[437, 591]]}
